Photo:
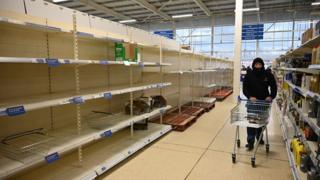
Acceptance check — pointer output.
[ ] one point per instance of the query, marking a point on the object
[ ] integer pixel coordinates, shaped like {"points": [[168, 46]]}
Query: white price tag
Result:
{"points": [[126, 63]]}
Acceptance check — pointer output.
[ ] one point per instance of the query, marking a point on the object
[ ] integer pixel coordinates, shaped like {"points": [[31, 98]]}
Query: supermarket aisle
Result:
{"points": [[204, 152]]}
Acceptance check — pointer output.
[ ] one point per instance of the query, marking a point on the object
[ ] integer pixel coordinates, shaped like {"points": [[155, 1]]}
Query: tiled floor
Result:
{"points": [[204, 152]]}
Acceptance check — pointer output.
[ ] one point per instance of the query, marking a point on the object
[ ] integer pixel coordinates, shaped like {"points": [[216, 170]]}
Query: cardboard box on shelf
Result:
{"points": [[317, 29], [126, 52], [307, 35]]}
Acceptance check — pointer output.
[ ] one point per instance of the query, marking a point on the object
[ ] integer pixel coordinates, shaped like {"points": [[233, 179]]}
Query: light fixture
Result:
{"points": [[128, 21], [251, 9], [315, 3], [57, 1], [182, 16]]}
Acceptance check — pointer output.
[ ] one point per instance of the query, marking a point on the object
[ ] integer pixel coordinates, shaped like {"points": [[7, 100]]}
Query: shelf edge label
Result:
{"points": [[52, 158], [77, 100], [15, 111], [104, 62], [52, 62], [106, 134], [107, 95]]}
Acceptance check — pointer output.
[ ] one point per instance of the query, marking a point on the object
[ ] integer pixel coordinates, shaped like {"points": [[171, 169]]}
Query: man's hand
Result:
{"points": [[269, 99], [253, 99]]}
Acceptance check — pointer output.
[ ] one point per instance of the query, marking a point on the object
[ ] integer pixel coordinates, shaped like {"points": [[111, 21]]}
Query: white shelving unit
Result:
{"points": [[55, 76]]}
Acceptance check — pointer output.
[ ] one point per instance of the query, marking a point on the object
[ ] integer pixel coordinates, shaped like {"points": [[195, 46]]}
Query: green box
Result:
{"points": [[120, 52]]}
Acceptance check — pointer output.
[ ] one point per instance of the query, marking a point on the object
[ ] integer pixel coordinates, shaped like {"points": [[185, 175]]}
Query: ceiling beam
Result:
{"points": [[159, 9], [203, 7], [153, 9], [258, 6], [108, 11]]}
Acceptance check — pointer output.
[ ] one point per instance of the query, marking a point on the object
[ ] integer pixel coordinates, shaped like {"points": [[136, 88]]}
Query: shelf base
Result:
{"points": [[98, 157]]}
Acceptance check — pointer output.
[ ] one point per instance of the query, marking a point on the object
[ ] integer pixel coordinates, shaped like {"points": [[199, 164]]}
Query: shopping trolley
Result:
{"points": [[250, 114]]}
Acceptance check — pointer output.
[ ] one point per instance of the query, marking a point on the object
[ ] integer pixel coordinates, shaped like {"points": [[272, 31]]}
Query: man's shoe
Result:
{"points": [[249, 147], [261, 142]]}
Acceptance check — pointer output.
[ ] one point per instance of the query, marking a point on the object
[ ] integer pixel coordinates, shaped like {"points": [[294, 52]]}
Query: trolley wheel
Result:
{"points": [[238, 143], [234, 158], [267, 148], [253, 162]]}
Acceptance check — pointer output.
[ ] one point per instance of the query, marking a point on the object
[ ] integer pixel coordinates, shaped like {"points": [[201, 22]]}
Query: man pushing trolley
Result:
{"points": [[260, 87]]}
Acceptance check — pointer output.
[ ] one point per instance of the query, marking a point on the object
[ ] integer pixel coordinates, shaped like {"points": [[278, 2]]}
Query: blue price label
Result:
{"points": [[104, 62], [52, 62], [77, 100], [141, 64], [106, 134], [107, 95], [15, 111], [52, 158], [40, 60], [103, 169], [296, 90], [162, 111]]}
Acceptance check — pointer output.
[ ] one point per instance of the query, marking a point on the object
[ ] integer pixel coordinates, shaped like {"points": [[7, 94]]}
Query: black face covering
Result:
{"points": [[258, 71]]}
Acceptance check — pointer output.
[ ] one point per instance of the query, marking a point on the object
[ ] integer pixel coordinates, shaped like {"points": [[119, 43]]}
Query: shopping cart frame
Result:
{"points": [[265, 113]]}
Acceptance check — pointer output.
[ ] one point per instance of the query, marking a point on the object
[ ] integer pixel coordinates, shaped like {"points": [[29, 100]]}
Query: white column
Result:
{"points": [[237, 48]]}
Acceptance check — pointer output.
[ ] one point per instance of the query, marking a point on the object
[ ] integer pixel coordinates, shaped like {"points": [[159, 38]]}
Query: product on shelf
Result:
{"points": [[306, 163], [305, 81], [313, 175], [314, 83], [139, 106], [307, 35], [317, 29], [310, 134], [126, 52], [159, 101], [298, 149]]}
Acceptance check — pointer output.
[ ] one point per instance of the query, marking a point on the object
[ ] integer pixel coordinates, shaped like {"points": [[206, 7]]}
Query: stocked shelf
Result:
{"points": [[65, 139], [100, 156], [287, 141], [302, 70], [303, 92], [305, 48], [57, 62], [18, 106], [311, 121]]}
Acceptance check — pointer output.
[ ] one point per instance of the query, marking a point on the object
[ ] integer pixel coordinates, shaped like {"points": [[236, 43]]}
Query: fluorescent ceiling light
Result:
{"points": [[57, 1], [315, 3], [251, 9], [128, 21], [182, 16]]}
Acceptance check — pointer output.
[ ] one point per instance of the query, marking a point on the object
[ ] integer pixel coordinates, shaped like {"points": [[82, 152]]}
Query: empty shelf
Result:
{"points": [[100, 157], [22, 105], [67, 139]]}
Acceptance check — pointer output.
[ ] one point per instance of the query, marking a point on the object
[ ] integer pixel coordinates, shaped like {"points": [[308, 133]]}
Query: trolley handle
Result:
{"points": [[257, 101]]}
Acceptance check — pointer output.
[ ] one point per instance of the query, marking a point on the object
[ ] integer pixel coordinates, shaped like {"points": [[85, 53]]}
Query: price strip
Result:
{"points": [[15, 111], [107, 95], [52, 62], [77, 100], [52, 158]]}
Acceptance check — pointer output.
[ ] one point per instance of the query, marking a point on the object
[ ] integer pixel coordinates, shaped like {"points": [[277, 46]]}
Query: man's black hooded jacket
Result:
{"points": [[257, 82]]}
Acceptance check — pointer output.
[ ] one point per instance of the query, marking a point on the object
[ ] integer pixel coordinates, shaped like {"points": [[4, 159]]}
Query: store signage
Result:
{"points": [[252, 32], [168, 33]]}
